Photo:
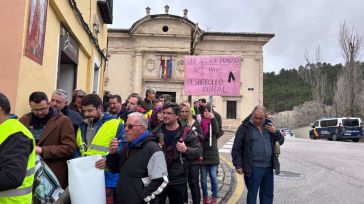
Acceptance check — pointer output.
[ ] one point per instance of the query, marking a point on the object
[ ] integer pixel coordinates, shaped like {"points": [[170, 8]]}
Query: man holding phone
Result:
{"points": [[180, 146], [253, 155]]}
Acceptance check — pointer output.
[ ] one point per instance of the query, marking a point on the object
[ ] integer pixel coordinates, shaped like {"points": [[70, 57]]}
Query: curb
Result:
{"points": [[236, 186]]}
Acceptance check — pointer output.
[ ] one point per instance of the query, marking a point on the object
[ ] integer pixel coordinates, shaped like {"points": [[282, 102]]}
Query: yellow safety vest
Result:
{"points": [[193, 111], [121, 120], [22, 194], [100, 143], [148, 114]]}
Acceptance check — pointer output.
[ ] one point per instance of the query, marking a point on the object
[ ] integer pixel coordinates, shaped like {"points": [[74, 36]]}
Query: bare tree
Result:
{"points": [[349, 83], [314, 75]]}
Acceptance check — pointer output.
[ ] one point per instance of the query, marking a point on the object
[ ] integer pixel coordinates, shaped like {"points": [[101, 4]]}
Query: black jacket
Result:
{"points": [[219, 123], [211, 153], [177, 166], [136, 165], [74, 116], [197, 130], [242, 148], [147, 105]]}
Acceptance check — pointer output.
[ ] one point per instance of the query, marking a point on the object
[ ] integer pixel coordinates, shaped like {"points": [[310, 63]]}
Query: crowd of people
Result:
{"points": [[152, 148]]}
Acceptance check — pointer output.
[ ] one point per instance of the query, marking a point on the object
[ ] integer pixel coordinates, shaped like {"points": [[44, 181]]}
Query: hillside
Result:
{"points": [[287, 89]]}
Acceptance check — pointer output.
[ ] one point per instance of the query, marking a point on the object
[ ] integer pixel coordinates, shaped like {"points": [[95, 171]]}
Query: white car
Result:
{"points": [[286, 132]]}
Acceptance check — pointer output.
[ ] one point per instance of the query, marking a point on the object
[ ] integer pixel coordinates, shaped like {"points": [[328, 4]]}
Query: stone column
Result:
{"points": [[138, 74]]}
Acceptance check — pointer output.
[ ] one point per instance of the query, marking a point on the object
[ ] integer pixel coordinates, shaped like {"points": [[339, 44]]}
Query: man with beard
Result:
{"points": [[53, 133], [95, 135], [59, 101]]}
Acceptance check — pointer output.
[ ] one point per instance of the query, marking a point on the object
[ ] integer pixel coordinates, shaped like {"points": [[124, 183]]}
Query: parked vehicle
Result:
{"points": [[337, 128], [286, 132]]}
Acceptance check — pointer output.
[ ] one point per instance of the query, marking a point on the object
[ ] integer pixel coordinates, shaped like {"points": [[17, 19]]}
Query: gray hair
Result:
{"points": [[61, 92], [260, 107], [149, 90], [140, 118]]}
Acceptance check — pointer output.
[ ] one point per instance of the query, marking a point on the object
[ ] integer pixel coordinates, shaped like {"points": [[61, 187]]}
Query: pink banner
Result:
{"points": [[212, 75]]}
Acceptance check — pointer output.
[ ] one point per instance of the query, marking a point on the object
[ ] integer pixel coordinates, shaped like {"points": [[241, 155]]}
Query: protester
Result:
{"points": [[202, 103], [105, 100], [17, 158], [148, 102], [53, 133], [211, 159], [158, 103], [134, 102], [76, 101], [195, 108], [115, 105], [179, 144], [95, 135], [59, 101], [156, 118], [253, 155], [142, 165], [194, 166]]}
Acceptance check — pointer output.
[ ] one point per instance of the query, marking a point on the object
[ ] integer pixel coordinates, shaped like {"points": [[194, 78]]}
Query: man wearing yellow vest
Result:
{"points": [[94, 137], [17, 158]]}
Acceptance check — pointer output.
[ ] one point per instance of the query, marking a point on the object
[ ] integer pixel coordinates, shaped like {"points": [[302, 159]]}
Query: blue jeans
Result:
{"points": [[261, 179], [211, 169]]}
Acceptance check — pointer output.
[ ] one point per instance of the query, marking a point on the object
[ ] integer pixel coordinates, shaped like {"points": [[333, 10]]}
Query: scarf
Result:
{"points": [[205, 127]]}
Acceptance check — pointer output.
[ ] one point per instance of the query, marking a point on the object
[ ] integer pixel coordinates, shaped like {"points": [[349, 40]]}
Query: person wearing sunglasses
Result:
{"points": [[141, 163]]}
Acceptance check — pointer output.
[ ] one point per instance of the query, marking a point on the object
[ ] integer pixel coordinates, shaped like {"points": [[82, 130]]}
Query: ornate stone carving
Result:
{"points": [[150, 65], [181, 66]]}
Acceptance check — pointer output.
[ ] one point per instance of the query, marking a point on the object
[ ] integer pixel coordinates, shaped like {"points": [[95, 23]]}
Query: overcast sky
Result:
{"points": [[298, 25]]}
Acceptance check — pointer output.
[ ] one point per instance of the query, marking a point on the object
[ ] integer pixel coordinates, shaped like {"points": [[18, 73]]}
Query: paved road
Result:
{"points": [[317, 171]]}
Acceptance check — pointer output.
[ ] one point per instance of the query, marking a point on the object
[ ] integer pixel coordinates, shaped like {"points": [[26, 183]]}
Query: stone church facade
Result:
{"points": [[136, 54]]}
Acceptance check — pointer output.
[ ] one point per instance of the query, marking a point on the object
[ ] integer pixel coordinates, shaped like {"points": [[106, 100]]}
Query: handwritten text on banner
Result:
{"points": [[212, 75]]}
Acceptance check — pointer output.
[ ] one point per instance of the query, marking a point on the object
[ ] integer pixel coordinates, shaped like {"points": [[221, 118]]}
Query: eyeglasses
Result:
{"points": [[167, 113], [129, 126], [39, 110]]}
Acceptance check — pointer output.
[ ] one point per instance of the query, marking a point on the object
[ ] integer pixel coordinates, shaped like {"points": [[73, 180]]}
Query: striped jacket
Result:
{"points": [[143, 171]]}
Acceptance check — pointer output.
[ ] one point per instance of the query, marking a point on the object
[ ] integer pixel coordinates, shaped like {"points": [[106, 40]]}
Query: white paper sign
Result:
{"points": [[86, 182]]}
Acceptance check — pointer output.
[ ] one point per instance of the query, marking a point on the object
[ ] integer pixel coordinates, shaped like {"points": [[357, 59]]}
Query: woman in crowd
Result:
{"points": [[156, 118], [194, 166], [75, 105], [210, 130]]}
